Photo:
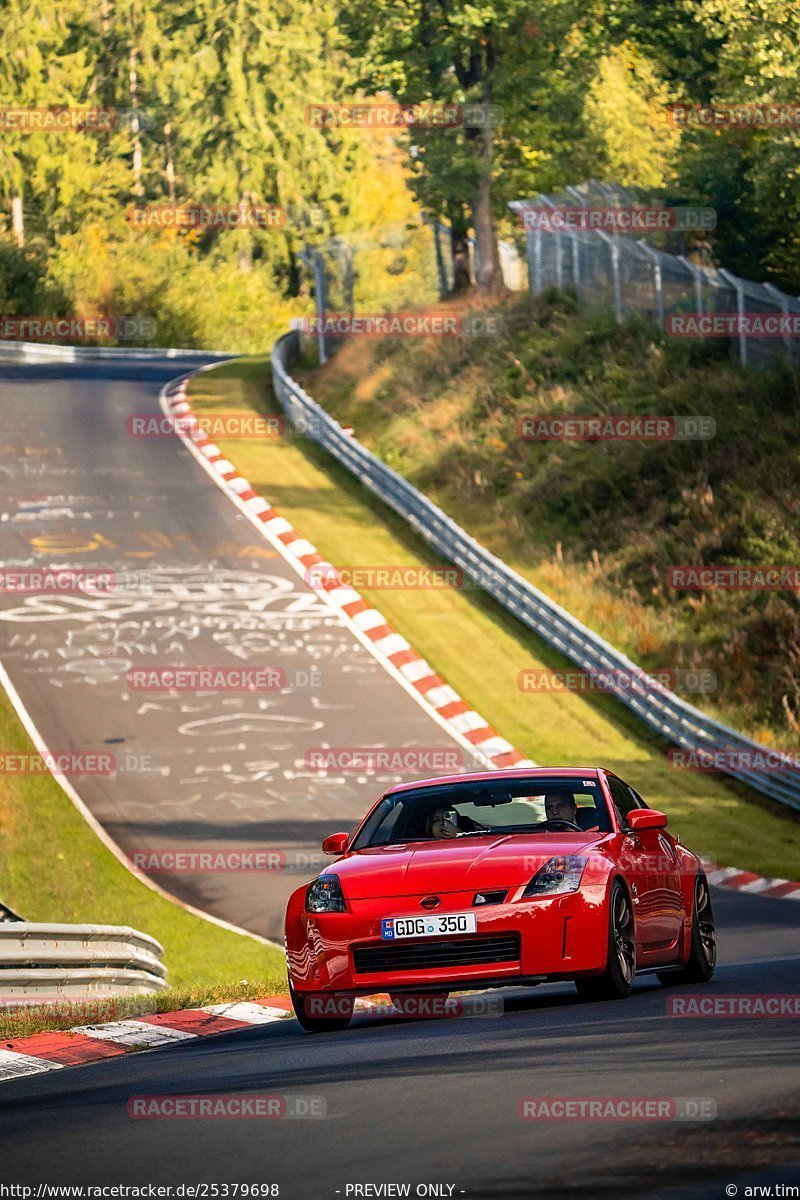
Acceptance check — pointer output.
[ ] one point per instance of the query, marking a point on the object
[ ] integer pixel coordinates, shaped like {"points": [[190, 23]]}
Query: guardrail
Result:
{"points": [[664, 712], [48, 352], [76, 962]]}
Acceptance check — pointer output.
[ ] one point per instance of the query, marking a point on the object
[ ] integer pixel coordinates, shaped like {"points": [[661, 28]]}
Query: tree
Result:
{"points": [[45, 63], [625, 112], [759, 63]]}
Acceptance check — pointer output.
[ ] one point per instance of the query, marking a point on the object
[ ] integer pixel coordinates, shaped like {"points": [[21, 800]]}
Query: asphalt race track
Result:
{"points": [[200, 587], [436, 1101], [398, 1102]]}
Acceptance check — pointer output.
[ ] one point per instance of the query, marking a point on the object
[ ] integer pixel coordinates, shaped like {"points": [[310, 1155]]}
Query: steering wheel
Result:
{"points": [[559, 823]]}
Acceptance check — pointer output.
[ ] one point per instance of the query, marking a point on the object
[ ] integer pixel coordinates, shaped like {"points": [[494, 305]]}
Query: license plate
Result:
{"points": [[405, 927]]}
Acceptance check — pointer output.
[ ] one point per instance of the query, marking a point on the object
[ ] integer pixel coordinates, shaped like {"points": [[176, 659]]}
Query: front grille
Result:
{"points": [[428, 955]]}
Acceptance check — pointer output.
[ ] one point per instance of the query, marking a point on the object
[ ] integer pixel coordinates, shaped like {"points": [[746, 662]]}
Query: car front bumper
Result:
{"points": [[556, 937]]}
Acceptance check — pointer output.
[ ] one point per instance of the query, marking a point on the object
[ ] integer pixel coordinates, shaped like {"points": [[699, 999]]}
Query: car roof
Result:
{"points": [[486, 776]]}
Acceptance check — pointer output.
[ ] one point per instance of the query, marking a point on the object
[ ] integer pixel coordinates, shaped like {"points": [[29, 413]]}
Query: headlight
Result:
{"points": [[325, 895], [561, 874]]}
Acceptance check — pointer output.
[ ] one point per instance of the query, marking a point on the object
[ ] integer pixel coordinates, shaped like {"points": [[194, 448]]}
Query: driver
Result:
{"points": [[443, 822], [558, 806]]}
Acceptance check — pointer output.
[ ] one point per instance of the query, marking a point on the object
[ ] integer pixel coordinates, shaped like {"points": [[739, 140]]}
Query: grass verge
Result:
{"points": [[19, 1023], [54, 868], [479, 649]]}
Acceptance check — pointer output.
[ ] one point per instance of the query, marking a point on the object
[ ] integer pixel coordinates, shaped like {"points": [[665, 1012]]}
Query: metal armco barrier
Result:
{"points": [[74, 962], [664, 712]]}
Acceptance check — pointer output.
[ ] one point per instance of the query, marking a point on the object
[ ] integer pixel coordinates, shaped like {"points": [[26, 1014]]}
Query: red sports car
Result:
{"points": [[495, 879]]}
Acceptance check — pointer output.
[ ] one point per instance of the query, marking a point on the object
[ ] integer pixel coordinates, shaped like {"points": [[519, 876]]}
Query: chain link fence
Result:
{"points": [[400, 267], [412, 265], [632, 275]]}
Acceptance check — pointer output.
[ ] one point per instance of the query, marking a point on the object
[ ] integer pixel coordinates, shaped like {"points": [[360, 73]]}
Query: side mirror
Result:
{"points": [[337, 843], [646, 818]]}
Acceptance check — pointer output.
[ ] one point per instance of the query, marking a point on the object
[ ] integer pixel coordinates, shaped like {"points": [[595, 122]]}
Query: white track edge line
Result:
{"points": [[102, 834]]}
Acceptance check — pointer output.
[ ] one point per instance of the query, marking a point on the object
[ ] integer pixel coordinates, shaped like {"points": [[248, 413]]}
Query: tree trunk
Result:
{"points": [[138, 190], [17, 220], [294, 274], [459, 247], [245, 239], [170, 162], [488, 274]]}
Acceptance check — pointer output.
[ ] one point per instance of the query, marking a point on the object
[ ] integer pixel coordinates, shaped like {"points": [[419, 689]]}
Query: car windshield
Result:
{"points": [[471, 809]]}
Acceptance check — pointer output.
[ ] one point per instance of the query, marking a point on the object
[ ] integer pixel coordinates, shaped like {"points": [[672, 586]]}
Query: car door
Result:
{"points": [[660, 907], [665, 882], [633, 860]]}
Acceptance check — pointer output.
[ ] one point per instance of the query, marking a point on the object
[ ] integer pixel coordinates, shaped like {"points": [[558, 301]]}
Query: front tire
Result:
{"points": [[703, 946], [322, 1012], [616, 981]]}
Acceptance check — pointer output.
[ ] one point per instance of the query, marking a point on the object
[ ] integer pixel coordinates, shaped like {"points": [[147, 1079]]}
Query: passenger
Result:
{"points": [[443, 823]]}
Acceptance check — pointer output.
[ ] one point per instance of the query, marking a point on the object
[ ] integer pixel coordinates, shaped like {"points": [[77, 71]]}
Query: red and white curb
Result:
{"points": [[734, 879], [89, 1043], [485, 745]]}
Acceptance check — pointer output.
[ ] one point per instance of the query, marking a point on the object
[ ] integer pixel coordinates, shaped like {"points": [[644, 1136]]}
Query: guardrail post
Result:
{"points": [[738, 286], [575, 239], [313, 260], [613, 247], [658, 290], [697, 275], [534, 256], [783, 301]]}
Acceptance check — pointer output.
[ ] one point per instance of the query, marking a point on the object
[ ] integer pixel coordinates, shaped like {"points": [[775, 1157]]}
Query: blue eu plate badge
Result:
{"points": [[387, 927]]}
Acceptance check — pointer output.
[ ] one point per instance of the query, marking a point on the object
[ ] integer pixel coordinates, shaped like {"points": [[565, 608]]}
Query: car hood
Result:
{"points": [[417, 868]]}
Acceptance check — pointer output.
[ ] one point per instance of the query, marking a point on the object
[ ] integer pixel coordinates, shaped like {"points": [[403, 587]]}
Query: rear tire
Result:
{"points": [[703, 946], [616, 981], [322, 1012]]}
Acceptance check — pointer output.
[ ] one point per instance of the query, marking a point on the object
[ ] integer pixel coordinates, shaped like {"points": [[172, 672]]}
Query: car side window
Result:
{"points": [[624, 797]]}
